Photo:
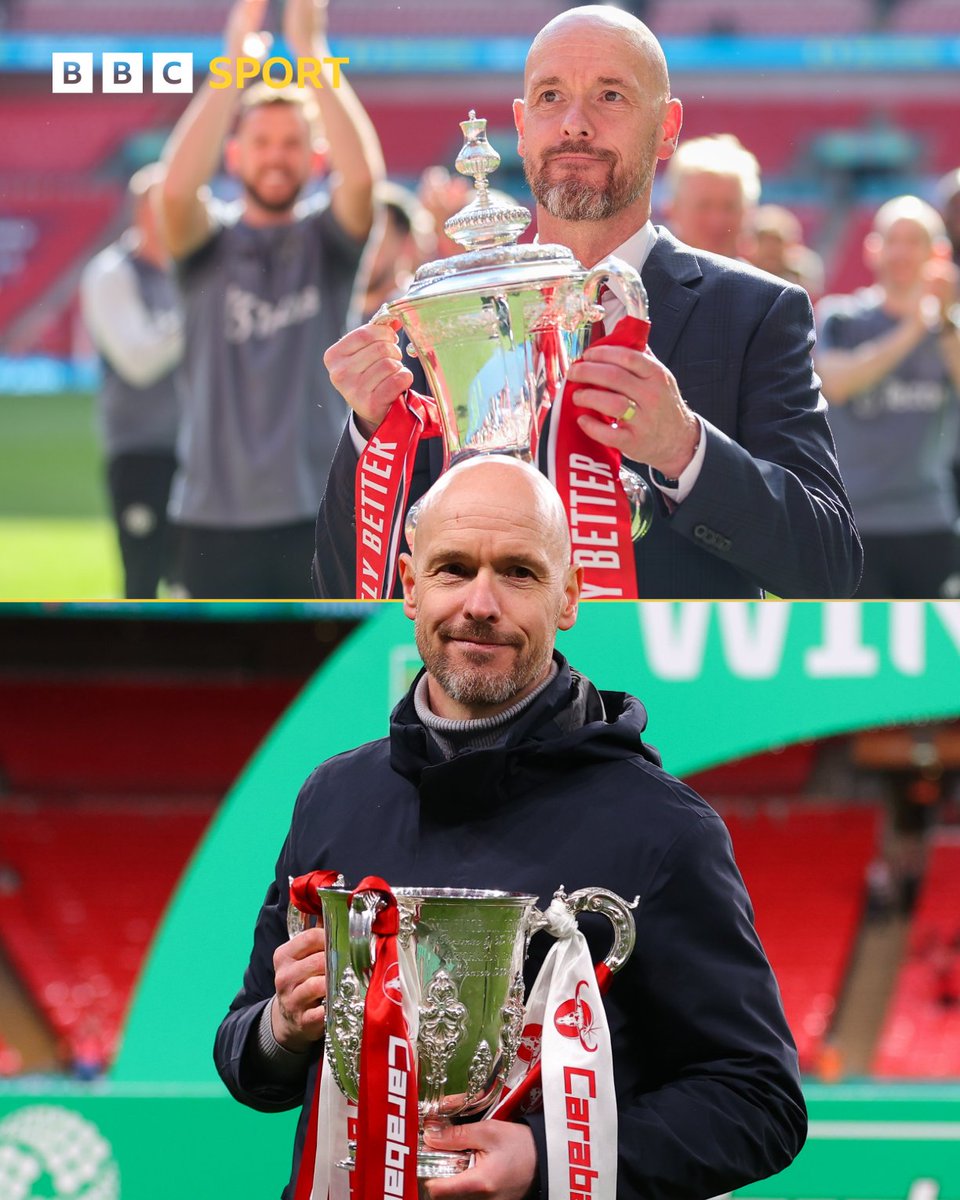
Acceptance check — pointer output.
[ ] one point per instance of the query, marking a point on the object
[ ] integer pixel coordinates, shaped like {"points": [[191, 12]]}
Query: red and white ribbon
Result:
{"points": [[566, 1057], [387, 1118], [587, 476], [383, 487]]}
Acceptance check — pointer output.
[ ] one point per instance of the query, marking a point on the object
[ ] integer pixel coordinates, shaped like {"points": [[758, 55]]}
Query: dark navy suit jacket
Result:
{"points": [[768, 512]]}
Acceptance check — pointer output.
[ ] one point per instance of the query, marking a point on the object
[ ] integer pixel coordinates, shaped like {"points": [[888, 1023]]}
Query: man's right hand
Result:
{"points": [[366, 367], [245, 20], [298, 1014]]}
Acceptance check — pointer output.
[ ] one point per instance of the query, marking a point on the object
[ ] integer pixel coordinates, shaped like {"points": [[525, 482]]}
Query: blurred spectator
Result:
{"points": [[443, 193], [948, 201], [774, 243], [132, 312], [881, 891], [408, 239], [889, 358], [265, 290], [712, 186]]}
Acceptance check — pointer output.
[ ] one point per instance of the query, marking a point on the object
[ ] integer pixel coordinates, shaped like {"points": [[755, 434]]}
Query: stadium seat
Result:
{"points": [[804, 866], [921, 1034]]}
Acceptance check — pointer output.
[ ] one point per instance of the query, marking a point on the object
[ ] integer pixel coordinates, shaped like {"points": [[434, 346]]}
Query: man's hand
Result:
{"points": [[304, 24], [243, 34], [661, 431], [366, 367], [505, 1160], [298, 1014]]}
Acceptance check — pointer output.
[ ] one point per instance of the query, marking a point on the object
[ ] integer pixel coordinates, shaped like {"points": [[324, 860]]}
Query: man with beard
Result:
{"points": [[507, 769], [722, 413], [263, 288]]}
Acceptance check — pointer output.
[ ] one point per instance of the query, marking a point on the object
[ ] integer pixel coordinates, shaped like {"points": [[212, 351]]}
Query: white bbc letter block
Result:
{"points": [[173, 72], [122, 72], [72, 73]]}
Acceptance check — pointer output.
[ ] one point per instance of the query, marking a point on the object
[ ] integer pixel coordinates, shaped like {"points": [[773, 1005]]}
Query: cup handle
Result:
{"points": [[634, 293], [618, 912], [363, 944]]}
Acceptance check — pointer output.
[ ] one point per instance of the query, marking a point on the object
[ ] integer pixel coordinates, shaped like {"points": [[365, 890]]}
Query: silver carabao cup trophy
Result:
{"points": [[468, 947], [498, 326]]}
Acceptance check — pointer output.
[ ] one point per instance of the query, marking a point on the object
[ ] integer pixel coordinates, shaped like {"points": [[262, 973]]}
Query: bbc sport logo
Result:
{"points": [[73, 72]]}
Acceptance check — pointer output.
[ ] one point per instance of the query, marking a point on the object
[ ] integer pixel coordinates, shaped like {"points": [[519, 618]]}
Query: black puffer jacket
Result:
{"points": [[706, 1071]]}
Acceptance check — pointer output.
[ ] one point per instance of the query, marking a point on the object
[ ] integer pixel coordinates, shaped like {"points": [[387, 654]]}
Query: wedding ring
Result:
{"points": [[628, 413]]}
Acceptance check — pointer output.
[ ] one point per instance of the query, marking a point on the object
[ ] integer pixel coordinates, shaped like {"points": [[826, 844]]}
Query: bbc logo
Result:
{"points": [[122, 72]]}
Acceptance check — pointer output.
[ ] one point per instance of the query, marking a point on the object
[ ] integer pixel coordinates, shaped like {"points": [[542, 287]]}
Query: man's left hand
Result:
{"points": [[635, 390], [304, 23], [505, 1164]]}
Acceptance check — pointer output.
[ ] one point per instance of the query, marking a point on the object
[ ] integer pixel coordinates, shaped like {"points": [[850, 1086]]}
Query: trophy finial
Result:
{"points": [[483, 224]]}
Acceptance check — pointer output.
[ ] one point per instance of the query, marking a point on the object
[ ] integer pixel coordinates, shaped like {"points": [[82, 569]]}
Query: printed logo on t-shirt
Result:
{"points": [[901, 396], [248, 316]]}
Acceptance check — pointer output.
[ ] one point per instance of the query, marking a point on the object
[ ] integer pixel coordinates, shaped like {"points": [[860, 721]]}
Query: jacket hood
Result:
{"points": [[570, 722]]}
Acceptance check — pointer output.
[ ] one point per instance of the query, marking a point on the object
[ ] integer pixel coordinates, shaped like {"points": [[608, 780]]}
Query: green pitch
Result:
{"points": [[56, 538]]}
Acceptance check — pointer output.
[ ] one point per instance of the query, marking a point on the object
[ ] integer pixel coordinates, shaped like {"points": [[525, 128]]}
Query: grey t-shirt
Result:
{"points": [[261, 307], [132, 311], [896, 441]]}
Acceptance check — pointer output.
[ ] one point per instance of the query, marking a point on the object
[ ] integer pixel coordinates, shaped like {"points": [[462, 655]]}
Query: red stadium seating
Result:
{"points": [[926, 16], [66, 227], [667, 18], [921, 1035], [86, 884], [804, 868], [116, 736]]}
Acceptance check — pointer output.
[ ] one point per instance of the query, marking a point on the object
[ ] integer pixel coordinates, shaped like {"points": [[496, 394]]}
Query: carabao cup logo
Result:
{"points": [[52, 1152], [574, 1019]]}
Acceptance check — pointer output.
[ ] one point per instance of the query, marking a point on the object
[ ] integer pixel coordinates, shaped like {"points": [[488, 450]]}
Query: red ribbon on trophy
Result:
{"points": [[382, 489], [387, 1120], [587, 476], [304, 896], [585, 473]]}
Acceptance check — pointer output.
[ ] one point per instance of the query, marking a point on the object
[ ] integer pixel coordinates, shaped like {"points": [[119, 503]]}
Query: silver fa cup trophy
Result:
{"points": [[498, 326], [469, 948]]}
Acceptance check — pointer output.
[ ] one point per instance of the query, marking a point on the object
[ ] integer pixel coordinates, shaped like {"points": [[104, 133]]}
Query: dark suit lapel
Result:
{"points": [[670, 275]]}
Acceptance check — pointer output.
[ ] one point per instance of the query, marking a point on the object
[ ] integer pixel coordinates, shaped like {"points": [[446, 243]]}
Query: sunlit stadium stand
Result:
{"points": [[921, 1037]]}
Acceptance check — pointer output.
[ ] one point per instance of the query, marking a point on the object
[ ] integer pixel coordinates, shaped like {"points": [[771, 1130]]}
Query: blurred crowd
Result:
{"points": [[214, 490]]}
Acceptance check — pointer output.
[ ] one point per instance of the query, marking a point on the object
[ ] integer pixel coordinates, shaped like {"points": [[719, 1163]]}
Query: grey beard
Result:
{"points": [[471, 685], [576, 201]]}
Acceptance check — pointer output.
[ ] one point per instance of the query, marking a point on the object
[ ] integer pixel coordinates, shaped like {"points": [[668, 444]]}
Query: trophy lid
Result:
{"points": [[488, 230]]}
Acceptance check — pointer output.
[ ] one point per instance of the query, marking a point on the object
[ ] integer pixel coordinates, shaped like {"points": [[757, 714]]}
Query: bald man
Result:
{"points": [[506, 768], [722, 414]]}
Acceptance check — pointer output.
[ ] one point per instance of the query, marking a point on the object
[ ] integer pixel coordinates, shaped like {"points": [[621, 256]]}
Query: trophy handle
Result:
{"points": [[363, 947], [297, 920], [599, 900], [634, 293]]}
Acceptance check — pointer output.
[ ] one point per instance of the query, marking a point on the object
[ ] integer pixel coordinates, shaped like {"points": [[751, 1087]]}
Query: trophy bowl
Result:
{"points": [[466, 948]]}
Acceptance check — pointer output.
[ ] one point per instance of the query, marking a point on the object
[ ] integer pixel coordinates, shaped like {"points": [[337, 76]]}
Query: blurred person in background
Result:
{"points": [[712, 187], [443, 193], [889, 358], [265, 289], [774, 243], [948, 202], [132, 312], [408, 239]]}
